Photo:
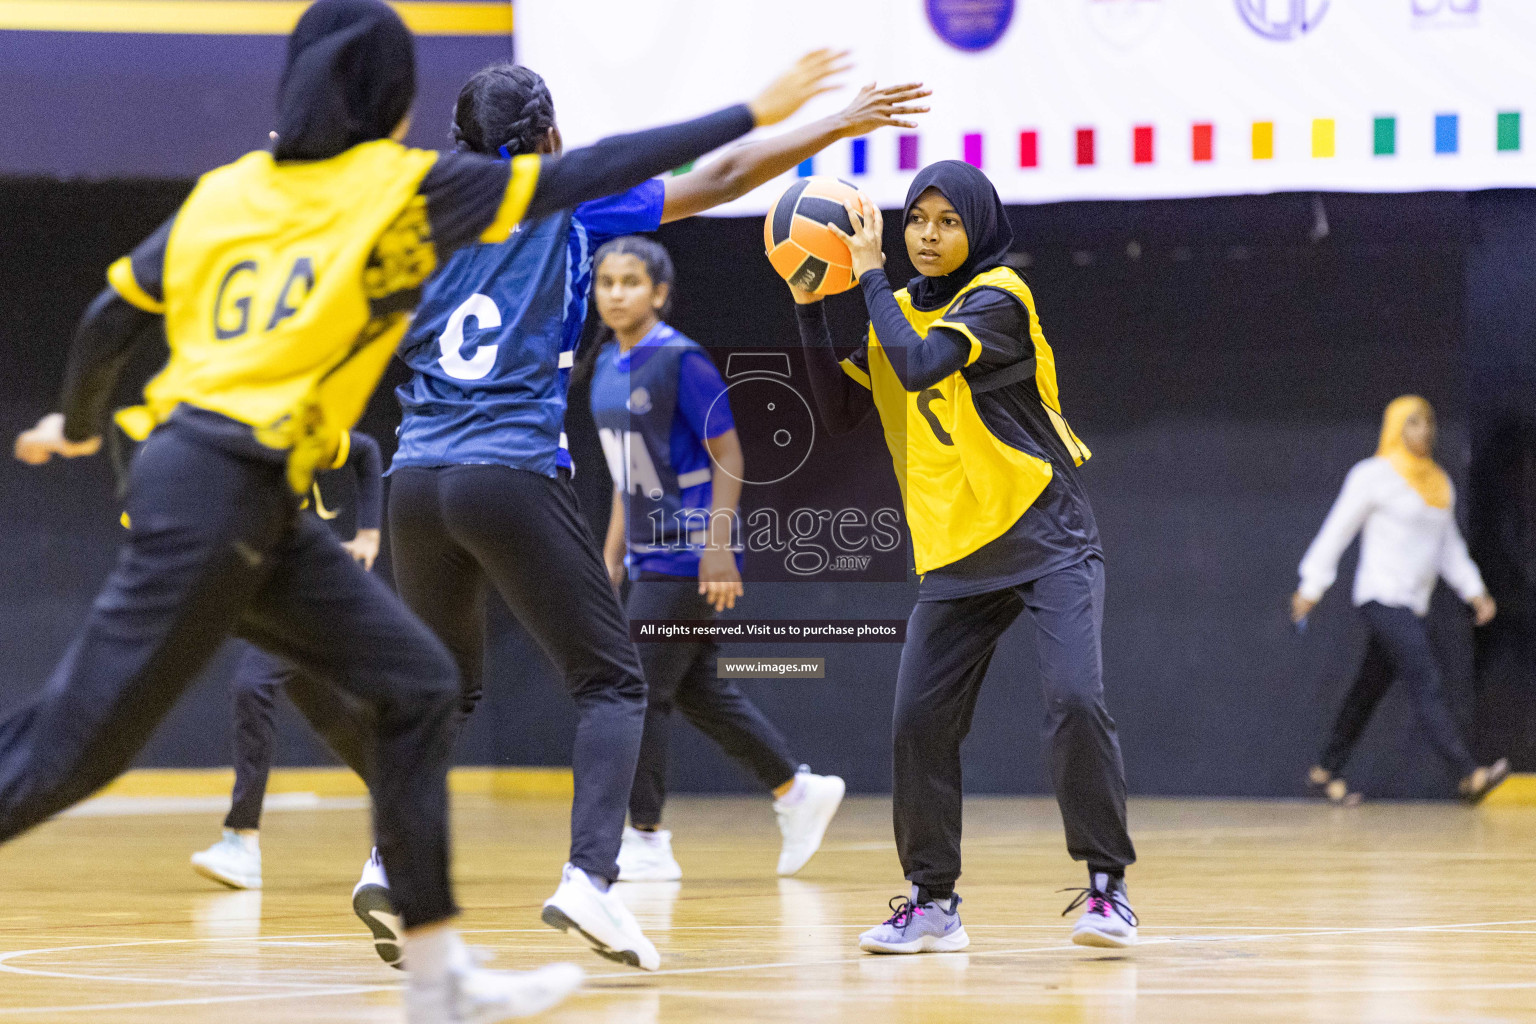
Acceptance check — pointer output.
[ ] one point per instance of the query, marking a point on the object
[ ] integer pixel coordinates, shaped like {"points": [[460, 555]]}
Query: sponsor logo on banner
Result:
{"points": [[1444, 13], [1125, 23], [970, 24], [1282, 19]]}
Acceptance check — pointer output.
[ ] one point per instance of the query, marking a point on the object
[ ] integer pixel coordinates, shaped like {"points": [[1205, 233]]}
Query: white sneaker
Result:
{"points": [[647, 857], [373, 906], [234, 861], [1108, 920], [477, 996], [601, 918], [804, 822]]}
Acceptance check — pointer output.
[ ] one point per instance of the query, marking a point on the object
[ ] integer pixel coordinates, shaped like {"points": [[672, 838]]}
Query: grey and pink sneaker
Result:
{"points": [[1108, 920], [913, 927]]}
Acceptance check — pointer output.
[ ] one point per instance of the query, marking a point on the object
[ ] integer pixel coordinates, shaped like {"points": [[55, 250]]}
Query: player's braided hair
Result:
{"points": [[658, 266], [503, 105]]}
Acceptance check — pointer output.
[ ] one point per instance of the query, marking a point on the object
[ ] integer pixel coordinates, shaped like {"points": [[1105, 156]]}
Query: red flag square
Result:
{"points": [[1029, 149], [1142, 148], [1085, 147], [1201, 140]]}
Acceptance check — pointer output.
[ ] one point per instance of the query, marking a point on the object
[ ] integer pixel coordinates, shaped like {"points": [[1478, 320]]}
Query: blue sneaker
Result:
{"points": [[918, 928]]}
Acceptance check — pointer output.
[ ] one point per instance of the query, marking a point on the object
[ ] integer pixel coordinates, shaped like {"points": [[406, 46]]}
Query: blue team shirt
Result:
{"points": [[494, 339], [699, 415]]}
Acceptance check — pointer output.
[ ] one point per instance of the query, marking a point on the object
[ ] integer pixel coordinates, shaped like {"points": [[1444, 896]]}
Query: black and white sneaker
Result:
{"points": [[372, 905]]}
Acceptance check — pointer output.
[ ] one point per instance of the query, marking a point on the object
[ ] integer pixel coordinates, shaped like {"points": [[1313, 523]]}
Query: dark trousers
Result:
{"points": [[217, 546], [683, 676], [949, 646], [456, 530], [1398, 649], [343, 722]]}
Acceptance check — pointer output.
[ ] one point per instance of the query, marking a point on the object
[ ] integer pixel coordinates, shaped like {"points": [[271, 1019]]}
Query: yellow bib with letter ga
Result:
{"points": [[962, 485], [273, 275]]}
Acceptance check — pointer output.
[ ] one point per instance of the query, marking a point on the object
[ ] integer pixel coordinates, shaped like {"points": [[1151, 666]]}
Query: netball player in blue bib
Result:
{"points": [[481, 495], [676, 461]]}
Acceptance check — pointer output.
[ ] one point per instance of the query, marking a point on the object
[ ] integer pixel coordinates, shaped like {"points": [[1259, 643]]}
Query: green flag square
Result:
{"points": [[1385, 136], [1509, 131]]}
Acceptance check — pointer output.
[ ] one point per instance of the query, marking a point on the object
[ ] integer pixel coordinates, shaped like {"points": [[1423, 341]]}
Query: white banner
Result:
{"points": [[1089, 99]]}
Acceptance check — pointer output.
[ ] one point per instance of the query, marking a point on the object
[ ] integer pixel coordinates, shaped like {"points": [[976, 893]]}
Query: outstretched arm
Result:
{"points": [[120, 316], [624, 161], [103, 342], [741, 170]]}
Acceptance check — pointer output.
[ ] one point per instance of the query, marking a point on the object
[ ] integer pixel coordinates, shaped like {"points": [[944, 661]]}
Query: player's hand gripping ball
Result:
{"points": [[800, 247]]}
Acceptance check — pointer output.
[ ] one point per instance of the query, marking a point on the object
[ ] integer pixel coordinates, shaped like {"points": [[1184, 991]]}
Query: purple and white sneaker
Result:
{"points": [[1108, 920], [914, 927]]}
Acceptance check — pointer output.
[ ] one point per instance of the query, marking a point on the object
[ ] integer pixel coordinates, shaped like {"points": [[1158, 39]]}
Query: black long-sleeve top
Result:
{"points": [[1059, 529]]}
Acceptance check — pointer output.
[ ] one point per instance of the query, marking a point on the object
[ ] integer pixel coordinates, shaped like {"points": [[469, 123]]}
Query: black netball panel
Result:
{"points": [[809, 274]]}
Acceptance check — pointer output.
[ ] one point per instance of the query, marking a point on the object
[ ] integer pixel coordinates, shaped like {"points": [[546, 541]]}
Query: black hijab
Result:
{"points": [[350, 78], [986, 227]]}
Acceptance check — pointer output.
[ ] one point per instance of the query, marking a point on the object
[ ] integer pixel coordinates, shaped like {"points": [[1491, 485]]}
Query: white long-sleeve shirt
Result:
{"points": [[1405, 543]]}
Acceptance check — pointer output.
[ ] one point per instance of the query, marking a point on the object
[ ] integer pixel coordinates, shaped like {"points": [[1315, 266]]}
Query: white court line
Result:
{"points": [[1068, 948], [299, 987], [203, 1001], [843, 995], [307, 989]]}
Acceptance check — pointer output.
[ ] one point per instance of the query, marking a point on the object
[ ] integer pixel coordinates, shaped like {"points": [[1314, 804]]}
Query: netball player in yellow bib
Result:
{"points": [[964, 382], [283, 284]]}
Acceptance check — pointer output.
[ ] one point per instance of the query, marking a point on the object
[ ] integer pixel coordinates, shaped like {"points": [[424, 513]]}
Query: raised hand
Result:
{"points": [[879, 108], [864, 243], [805, 80], [42, 442]]}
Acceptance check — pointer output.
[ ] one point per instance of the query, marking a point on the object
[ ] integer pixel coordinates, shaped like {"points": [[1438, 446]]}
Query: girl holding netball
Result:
{"points": [[960, 373], [676, 461], [1402, 504]]}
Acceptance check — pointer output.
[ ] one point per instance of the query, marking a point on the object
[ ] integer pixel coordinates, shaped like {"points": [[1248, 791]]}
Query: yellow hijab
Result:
{"points": [[1422, 472]]}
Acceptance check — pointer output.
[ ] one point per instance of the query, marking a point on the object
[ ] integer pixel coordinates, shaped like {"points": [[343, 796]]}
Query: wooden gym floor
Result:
{"points": [[1253, 912]]}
